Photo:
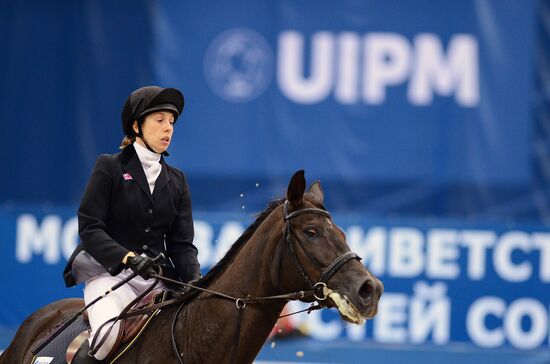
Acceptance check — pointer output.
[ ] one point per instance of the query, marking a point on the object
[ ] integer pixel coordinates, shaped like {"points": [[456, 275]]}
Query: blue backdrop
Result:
{"points": [[427, 123], [400, 107]]}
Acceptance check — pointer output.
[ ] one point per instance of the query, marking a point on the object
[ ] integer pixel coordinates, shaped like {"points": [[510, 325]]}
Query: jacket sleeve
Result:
{"points": [[92, 218], [179, 240]]}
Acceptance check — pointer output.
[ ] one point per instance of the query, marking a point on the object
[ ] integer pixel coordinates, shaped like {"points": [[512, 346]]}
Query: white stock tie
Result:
{"points": [[151, 164]]}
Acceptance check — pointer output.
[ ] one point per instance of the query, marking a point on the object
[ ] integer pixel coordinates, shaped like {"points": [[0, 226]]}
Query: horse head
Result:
{"points": [[316, 247]]}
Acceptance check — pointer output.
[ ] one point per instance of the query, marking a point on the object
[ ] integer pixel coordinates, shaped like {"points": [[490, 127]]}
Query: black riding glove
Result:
{"points": [[144, 266], [193, 281], [195, 278]]}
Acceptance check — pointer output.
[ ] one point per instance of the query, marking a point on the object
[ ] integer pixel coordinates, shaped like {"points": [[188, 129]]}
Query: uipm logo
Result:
{"points": [[350, 67], [238, 65]]}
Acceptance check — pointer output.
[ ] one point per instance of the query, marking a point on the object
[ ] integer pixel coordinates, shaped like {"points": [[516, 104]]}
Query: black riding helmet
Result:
{"points": [[146, 100]]}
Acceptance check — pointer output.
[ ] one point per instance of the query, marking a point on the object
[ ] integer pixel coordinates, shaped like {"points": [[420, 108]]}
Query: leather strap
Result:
{"points": [[334, 266]]}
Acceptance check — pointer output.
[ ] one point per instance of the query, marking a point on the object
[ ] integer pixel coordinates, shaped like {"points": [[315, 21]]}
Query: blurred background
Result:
{"points": [[427, 122]]}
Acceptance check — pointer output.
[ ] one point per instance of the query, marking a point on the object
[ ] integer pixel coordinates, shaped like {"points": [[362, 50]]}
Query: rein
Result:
{"points": [[318, 289]]}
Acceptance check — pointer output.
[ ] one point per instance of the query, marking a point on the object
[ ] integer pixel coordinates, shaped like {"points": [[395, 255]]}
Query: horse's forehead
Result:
{"points": [[327, 221], [321, 216]]}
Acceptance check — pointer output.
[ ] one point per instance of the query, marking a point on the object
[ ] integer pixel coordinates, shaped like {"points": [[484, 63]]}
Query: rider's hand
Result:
{"points": [[193, 281], [144, 266], [195, 278]]}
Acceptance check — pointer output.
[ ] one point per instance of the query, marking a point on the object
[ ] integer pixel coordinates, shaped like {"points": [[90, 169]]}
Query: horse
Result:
{"points": [[293, 249]]}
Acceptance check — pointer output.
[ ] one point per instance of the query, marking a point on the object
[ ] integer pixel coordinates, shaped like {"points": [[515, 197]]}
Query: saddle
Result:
{"points": [[62, 348]]}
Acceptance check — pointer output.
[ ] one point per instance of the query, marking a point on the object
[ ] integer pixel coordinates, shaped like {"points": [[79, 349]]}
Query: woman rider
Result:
{"points": [[135, 207]]}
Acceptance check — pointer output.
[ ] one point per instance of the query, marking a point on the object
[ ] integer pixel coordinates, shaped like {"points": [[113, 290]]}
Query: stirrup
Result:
{"points": [[75, 345], [81, 356]]}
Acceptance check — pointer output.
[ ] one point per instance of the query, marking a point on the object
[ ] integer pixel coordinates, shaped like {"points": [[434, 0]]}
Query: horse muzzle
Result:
{"points": [[359, 306]]}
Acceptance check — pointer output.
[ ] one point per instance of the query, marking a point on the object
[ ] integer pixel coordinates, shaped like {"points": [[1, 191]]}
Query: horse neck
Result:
{"points": [[249, 272], [248, 275]]}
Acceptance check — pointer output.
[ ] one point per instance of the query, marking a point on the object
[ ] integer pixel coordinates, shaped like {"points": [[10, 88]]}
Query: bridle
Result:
{"points": [[318, 287]]}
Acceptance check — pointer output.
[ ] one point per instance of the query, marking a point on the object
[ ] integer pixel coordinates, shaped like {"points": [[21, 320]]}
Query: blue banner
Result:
{"points": [[381, 90], [445, 281], [400, 107]]}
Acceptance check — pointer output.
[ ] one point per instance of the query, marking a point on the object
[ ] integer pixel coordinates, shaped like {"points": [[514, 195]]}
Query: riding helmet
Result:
{"points": [[148, 99]]}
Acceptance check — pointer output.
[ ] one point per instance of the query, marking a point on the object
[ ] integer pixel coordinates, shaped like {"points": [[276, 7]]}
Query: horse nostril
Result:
{"points": [[380, 288], [366, 289]]}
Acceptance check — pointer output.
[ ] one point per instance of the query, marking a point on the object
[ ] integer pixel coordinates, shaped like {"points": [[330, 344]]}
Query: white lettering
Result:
{"points": [[372, 247], [477, 243], [347, 83], [356, 333], [290, 73], [391, 319], [512, 318], [502, 257], [32, 239], [322, 330], [406, 256], [204, 235], [475, 322], [343, 63], [69, 237], [535, 335], [542, 242], [430, 312], [229, 233], [387, 59], [432, 72], [442, 253]]}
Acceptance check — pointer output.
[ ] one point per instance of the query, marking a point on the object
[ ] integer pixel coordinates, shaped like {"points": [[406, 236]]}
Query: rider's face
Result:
{"points": [[157, 130]]}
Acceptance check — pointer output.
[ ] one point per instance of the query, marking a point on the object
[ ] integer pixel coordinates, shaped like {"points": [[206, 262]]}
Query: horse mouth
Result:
{"points": [[347, 310]]}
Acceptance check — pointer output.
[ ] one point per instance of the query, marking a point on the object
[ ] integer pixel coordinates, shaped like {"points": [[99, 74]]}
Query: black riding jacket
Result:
{"points": [[119, 214]]}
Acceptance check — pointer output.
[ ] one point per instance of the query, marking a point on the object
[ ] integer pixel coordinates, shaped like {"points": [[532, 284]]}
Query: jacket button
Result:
{"points": [[147, 229], [149, 211], [145, 247]]}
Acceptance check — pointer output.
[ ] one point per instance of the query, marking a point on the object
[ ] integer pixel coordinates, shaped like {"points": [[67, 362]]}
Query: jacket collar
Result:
{"points": [[162, 179], [132, 165]]}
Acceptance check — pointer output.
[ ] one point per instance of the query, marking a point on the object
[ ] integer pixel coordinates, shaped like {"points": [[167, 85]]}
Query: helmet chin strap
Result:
{"points": [[140, 134]]}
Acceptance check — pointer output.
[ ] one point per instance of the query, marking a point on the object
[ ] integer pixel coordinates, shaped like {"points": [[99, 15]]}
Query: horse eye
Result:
{"points": [[310, 232]]}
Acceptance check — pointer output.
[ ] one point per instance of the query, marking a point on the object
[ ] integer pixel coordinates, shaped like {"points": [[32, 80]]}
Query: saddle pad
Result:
{"points": [[54, 352]]}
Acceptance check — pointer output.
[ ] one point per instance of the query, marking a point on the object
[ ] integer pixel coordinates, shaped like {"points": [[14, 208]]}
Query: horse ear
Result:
{"points": [[317, 191], [296, 189]]}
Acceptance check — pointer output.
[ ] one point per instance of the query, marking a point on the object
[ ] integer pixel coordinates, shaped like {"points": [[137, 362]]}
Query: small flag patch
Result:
{"points": [[127, 176]]}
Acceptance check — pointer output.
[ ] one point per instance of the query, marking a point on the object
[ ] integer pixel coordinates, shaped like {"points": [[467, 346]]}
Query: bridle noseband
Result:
{"points": [[318, 287]]}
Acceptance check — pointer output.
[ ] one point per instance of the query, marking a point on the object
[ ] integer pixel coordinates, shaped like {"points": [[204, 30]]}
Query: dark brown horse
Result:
{"points": [[292, 246]]}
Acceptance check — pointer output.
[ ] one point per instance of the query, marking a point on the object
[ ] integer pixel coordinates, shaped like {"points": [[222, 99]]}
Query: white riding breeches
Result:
{"points": [[111, 305]]}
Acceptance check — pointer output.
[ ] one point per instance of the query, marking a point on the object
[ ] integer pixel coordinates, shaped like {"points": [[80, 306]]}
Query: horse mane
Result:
{"points": [[239, 243]]}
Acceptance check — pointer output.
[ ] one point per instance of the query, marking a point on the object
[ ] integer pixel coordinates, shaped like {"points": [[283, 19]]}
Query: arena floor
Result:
{"points": [[306, 351], [344, 352]]}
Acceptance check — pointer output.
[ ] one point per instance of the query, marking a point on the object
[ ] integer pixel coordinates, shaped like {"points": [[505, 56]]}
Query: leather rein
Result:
{"points": [[316, 288]]}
